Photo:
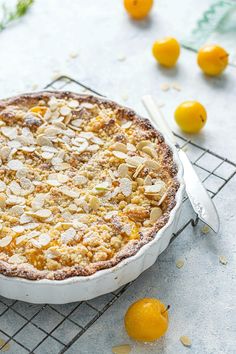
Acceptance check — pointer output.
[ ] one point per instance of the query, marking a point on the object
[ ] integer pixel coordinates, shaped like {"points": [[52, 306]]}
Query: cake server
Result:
{"points": [[201, 202]]}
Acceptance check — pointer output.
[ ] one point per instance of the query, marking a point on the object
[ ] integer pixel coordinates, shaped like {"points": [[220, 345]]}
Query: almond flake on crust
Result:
{"points": [[15, 165], [17, 259], [135, 161], [41, 213], [68, 235], [5, 241], [2, 186], [120, 155], [123, 170], [155, 214], [43, 240], [125, 186], [69, 192], [153, 189]]}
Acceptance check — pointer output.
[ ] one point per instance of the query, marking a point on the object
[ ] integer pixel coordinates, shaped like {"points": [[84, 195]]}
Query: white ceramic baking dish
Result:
{"points": [[104, 281]]}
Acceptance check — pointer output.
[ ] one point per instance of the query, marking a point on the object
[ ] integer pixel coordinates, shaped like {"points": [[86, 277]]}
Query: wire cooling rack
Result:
{"points": [[52, 329]]}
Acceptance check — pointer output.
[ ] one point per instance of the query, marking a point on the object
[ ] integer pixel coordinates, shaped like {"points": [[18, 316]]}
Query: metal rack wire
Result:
{"points": [[41, 329]]}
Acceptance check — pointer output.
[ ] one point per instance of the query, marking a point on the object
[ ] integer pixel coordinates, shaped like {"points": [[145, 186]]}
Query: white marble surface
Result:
{"points": [[39, 46]]}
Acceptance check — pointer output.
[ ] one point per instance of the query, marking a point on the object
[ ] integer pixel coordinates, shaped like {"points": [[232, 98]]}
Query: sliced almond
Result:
{"points": [[5, 152], [68, 235], [147, 181], [135, 161], [53, 182], [223, 260], [25, 183], [77, 122], [162, 198], [17, 259], [165, 87], [43, 140], [123, 170], [16, 210], [93, 147], [119, 147], [2, 186], [15, 165], [153, 189], [15, 200], [143, 143], [125, 186], [65, 110], [52, 131], [43, 240], [5, 241], [155, 214], [87, 135], [94, 203], [9, 132], [127, 125], [150, 151], [19, 229], [83, 147], [70, 192], [38, 201], [121, 349], [151, 164], [97, 140], [137, 171], [24, 219], [179, 263], [186, 341], [41, 213], [73, 103], [80, 180], [14, 144], [131, 147], [120, 155], [62, 178], [28, 236], [205, 229], [22, 173], [49, 149], [47, 155], [28, 148], [62, 166], [15, 188]]}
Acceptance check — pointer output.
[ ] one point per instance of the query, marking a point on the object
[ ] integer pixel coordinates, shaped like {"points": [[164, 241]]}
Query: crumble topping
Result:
{"points": [[78, 183]]}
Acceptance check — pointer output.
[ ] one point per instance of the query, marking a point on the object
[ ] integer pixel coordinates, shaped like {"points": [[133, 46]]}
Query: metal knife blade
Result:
{"points": [[200, 200]]}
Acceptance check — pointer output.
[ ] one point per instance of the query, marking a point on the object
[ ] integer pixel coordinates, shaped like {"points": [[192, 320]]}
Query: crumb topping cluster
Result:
{"points": [[79, 181]]}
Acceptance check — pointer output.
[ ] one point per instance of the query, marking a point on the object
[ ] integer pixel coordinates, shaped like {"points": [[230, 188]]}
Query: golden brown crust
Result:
{"points": [[27, 271]]}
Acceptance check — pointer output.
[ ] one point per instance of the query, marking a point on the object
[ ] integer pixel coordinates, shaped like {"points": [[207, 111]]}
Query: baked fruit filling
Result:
{"points": [[83, 182]]}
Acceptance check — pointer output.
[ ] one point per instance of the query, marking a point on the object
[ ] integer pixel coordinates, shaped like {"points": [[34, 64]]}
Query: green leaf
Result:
{"points": [[21, 8]]}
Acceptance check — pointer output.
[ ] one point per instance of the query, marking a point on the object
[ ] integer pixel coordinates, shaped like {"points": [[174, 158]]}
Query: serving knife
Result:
{"points": [[201, 202]]}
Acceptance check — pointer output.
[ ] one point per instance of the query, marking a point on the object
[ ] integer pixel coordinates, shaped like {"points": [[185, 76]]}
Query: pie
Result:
{"points": [[84, 184]]}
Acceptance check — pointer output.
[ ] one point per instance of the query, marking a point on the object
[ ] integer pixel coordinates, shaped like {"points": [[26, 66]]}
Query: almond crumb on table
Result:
{"points": [[179, 263], [186, 341], [121, 349], [165, 87], [223, 260]]}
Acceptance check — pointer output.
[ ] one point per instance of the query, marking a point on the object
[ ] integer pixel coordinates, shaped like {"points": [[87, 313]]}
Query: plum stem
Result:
{"points": [[167, 309]]}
